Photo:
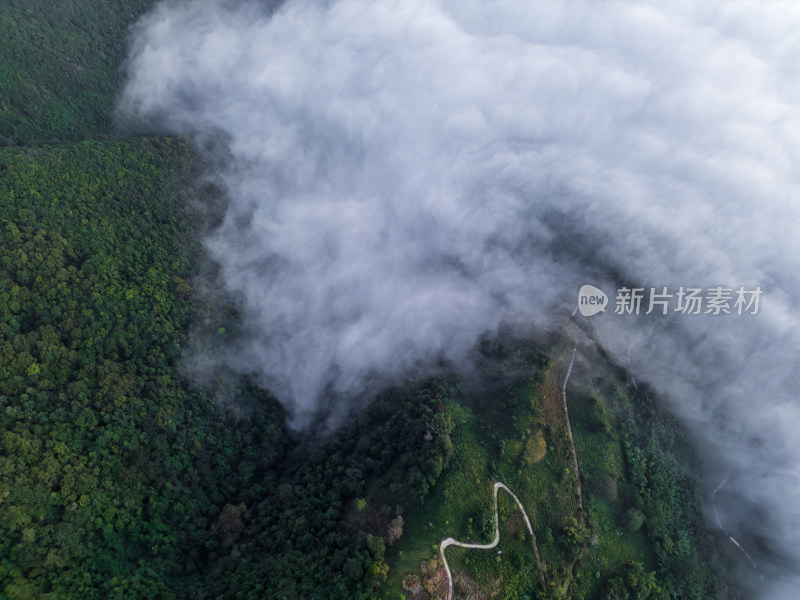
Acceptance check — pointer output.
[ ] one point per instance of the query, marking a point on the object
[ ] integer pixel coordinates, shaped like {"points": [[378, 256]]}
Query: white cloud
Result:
{"points": [[405, 175]]}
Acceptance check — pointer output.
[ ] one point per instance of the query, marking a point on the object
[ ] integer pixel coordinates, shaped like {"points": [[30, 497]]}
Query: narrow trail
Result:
{"points": [[453, 542], [575, 468], [725, 531]]}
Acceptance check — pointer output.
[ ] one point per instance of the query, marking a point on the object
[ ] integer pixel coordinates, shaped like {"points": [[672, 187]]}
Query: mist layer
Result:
{"points": [[404, 176]]}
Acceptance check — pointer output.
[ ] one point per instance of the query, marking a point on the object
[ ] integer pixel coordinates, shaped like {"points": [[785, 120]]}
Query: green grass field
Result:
{"points": [[498, 438]]}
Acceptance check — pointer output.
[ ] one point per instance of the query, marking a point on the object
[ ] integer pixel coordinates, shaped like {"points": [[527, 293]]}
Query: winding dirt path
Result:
{"points": [[453, 542], [500, 485]]}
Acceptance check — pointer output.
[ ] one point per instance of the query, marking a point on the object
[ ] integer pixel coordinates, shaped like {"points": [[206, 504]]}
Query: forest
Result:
{"points": [[122, 478]]}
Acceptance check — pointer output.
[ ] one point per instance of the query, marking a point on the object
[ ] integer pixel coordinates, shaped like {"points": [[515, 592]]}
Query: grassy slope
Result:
{"points": [[489, 444]]}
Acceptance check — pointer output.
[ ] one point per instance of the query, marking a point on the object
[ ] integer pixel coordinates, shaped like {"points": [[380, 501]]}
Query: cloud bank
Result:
{"points": [[406, 175]]}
